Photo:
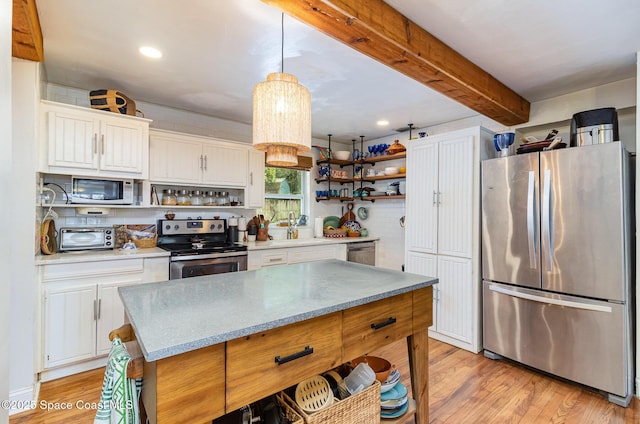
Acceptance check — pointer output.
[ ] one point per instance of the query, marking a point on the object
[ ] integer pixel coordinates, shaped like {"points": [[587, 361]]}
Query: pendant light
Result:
{"points": [[281, 117]]}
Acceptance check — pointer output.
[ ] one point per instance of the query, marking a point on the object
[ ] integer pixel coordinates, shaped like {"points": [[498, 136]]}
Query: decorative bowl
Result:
{"points": [[380, 366], [390, 170], [342, 155]]}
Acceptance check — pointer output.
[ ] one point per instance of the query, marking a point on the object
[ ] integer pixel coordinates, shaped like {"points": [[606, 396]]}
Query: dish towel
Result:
{"points": [[120, 395]]}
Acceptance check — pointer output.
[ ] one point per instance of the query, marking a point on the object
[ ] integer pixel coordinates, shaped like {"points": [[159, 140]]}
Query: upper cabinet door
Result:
{"points": [[455, 196], [254, 196], [175, 159], [422, 197], [225, 164], [77, 140], [124, 146], [73, 140]]}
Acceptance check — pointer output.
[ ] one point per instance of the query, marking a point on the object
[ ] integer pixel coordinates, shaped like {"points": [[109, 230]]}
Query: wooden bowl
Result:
{"points": [[380, 366], [353, 234]]}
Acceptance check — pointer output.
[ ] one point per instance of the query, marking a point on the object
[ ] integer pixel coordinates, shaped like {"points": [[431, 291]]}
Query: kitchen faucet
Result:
{"points": [[291, 221]]}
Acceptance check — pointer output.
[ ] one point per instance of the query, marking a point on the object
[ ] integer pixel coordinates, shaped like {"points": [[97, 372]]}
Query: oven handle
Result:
{"points": [[207, 256]]}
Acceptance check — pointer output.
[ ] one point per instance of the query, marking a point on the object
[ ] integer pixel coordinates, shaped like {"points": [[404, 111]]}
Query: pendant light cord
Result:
{"points": [[282, 45]]}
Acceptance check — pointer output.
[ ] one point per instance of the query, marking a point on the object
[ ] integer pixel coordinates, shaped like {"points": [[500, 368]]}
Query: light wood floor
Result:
{"points": [[464, 388]]}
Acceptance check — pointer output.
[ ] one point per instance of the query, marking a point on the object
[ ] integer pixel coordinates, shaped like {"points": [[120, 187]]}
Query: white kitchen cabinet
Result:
{"points": [[193, 160], [81, 305], [292, 255], [69, 324], [84, 141], [443, 228], [254, 196]]}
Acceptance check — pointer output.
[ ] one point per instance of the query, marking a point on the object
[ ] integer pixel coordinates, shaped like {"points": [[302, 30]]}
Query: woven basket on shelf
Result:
{"points": [[363, 407], [334, 233], [290, 413], [144, 243]]}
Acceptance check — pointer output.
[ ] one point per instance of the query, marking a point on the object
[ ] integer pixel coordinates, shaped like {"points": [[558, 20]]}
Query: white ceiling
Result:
{"points": [[215, 51]]}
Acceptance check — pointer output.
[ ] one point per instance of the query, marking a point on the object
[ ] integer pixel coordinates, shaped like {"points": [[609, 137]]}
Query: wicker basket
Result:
{"points": [[144, 243], [334, 233], [290, 413], [361, 408]]}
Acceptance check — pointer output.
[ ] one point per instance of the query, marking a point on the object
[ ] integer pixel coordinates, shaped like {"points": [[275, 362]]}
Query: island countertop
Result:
{"points": [[178, 316]]}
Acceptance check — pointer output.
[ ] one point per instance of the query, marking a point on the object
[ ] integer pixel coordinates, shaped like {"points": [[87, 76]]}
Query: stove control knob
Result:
{"points": [[167, 227], [219, 226], [176, 227], [212, 226]]}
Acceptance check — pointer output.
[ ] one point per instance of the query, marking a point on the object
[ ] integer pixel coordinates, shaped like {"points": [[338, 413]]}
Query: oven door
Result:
{"points": [[209, 266]]}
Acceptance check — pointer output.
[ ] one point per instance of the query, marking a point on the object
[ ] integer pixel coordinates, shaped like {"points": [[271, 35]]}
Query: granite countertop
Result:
{"points": [[99, 255], [287, 243], [174, 317]]}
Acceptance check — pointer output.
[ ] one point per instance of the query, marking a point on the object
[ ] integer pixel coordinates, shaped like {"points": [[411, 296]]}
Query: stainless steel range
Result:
{"points": [[200, 247]]}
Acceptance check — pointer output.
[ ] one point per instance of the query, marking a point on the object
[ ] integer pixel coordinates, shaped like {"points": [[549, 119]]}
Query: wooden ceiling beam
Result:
{"points": [[377, 30], [26, 34]]}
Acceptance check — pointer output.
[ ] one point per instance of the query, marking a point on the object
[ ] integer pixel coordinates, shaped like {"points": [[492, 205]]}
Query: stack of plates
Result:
{"points": [[537, 146], [393, 397]]}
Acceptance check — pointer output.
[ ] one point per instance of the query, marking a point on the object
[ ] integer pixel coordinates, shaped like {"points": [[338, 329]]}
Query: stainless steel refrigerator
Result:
{"points": [[556, 257]]}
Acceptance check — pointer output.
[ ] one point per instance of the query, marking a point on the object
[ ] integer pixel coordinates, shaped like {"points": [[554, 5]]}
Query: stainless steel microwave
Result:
{"points": [[86, 238], [102, 191]]}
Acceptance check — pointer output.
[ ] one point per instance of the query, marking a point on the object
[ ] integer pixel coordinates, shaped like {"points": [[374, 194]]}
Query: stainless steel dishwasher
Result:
{"points": [[362, 252]]}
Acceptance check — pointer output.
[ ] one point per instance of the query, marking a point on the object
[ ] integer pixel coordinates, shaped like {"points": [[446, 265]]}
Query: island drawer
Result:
{"points": [[376, 324], [267, 362]]}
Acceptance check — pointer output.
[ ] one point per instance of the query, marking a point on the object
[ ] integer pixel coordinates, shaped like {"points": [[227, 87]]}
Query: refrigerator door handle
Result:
{"points": [[546, 217], [531, 236], [551, 301]]}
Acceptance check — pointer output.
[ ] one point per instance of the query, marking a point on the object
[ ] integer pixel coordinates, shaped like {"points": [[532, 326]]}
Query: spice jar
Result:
{"points": [[183, 198], [169, 197], [209, 198], [223, 199], [196, 198]]}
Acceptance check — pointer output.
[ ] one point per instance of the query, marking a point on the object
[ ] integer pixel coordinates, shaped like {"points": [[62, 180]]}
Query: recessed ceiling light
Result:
{"points": [[150, 52], [382, 122]]}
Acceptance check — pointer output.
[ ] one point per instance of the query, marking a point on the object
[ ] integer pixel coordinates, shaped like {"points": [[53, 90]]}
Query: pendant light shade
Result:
{"points": [[281, 119]]}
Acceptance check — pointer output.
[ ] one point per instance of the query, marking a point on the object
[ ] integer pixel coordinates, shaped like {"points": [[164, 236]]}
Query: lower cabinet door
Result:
{"points": [[110, 313], [454, 299], [70, 325]]}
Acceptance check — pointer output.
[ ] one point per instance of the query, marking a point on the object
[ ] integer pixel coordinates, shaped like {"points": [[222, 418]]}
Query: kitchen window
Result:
{"points": [[286, 189]]}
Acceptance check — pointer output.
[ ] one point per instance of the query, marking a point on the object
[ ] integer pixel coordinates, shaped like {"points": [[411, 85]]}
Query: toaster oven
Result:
{"points": [[86, 238]]}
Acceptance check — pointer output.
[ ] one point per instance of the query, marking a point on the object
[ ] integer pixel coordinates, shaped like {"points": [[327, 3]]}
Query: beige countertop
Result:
{"points": [[288, 243], [117, 254], [99, 255]]}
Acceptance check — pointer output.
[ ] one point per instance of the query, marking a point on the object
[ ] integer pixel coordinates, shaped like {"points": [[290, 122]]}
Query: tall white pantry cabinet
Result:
{"points": [[442, 231]]}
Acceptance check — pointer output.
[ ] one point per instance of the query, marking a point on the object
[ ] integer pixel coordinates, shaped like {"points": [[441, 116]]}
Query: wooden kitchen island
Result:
{"points": [[216, 343]]}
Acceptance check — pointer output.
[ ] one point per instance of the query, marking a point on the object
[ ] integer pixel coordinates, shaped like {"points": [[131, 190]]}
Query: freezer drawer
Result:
{"points": [[579, 339]]}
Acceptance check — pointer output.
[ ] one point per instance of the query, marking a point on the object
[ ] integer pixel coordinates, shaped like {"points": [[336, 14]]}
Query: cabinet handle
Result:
{"points": [[390, 321], [439, 200], [434, 197], [95, 310], [251, 178], [102, 143], [95, 143], [205, 162], [307, 351], [201, 163], [99, 308]]}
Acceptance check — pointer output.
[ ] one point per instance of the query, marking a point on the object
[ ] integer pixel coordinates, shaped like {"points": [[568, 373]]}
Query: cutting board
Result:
{"points": [[48, 242], [349, 216]]}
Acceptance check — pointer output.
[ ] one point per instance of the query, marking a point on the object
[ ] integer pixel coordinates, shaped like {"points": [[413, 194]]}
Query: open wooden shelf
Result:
{"points": [[383, 158], [335, 180], [380, 177], [374, 198], [404, 417]]}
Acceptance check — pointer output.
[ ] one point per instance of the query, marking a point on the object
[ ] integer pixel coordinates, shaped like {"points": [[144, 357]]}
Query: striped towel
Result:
{"points": [[120, 395]]}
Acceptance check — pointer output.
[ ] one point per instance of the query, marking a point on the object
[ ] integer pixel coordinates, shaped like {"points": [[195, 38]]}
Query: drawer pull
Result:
{"points": [[307, 351], [390, 321]]}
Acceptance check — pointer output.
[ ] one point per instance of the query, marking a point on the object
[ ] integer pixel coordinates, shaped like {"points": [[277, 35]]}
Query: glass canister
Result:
{"points": [[210, 198], [197, 199], [223, 199], [184, 199], [169, 197]]}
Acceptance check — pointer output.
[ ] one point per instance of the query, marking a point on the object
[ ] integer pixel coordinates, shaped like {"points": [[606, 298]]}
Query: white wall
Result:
{"points": [[6, 184], [24, 288]]}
